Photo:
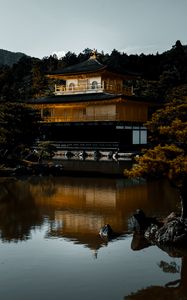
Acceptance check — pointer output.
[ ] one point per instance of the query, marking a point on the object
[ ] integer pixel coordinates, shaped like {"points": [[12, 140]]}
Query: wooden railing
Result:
{"points": [[73, 118], [127, 91], [64, 90], [92, 145]]}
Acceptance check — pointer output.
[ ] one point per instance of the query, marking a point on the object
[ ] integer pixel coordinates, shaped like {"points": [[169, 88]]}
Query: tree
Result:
{"points": [[19, 128], [86, 53], [39, 83], [70, 59], [167, 156]]}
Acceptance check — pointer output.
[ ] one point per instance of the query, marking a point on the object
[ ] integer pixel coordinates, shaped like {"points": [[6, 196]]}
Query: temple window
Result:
{"points": [[139, 136], [94, 85], [71, 86]]}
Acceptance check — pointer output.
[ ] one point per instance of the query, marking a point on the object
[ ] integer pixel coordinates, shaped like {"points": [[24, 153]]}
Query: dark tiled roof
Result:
{"points": [[90, 65], [84, 98], [74, 98]]}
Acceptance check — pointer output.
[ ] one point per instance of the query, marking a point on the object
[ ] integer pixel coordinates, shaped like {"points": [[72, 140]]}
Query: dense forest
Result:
{"points": [[9, 58], [159, 74]]}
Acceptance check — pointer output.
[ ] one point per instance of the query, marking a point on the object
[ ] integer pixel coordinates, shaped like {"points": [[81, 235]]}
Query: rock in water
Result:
{"points": [[106, 231], [139, 221], [173, 232]]}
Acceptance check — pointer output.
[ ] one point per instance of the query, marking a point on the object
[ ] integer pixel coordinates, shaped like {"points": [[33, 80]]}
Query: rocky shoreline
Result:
{"points": [[171, 231]]}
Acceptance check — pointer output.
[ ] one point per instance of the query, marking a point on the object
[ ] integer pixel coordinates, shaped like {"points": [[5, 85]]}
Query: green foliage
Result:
{"points": [[45, 150], [70, 59], [167, 156], [39, 81], [9, 58], [19, 126], [159, 73], [15, 82], [161, 161], [168, 124]]}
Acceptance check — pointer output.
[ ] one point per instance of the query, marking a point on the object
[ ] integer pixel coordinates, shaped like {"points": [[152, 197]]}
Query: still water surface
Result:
{"points": [[50, 248]]}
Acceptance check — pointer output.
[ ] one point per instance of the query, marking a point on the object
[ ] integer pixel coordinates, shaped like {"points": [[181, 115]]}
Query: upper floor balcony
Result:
{"points": [[97, 88]]}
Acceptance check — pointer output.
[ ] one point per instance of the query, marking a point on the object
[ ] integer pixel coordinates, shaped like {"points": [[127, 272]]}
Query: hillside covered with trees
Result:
{"points": [[9, 58]]}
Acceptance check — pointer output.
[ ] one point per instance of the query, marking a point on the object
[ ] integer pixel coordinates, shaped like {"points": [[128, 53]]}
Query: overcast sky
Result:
{"points": [[41, 27]]}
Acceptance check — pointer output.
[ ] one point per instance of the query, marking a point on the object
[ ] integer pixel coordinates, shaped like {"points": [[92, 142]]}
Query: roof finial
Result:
{"points": [[93, 54]]}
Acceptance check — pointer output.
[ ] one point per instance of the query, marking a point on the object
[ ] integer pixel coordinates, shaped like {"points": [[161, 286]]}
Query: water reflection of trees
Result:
{"points": [[44, 185], [18, 211], [75, 208], [171, 267], [173, 290]]}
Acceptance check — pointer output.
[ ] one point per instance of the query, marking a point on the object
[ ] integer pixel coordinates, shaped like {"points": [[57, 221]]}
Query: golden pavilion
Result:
{"points": [[93, 105]]}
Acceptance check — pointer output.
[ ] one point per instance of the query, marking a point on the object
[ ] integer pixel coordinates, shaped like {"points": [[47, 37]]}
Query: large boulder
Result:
{"points": [[172, 232], [140, 222]]}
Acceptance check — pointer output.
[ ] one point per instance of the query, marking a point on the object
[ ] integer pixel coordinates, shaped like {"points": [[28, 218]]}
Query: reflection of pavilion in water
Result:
{"points": [[79, 207]]}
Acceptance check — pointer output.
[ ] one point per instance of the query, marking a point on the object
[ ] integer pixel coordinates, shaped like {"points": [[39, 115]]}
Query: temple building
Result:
{"points": [[92, 105]]}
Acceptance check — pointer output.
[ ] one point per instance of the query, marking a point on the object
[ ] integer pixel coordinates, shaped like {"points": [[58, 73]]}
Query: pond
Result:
{"points": [[50, 248]]}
